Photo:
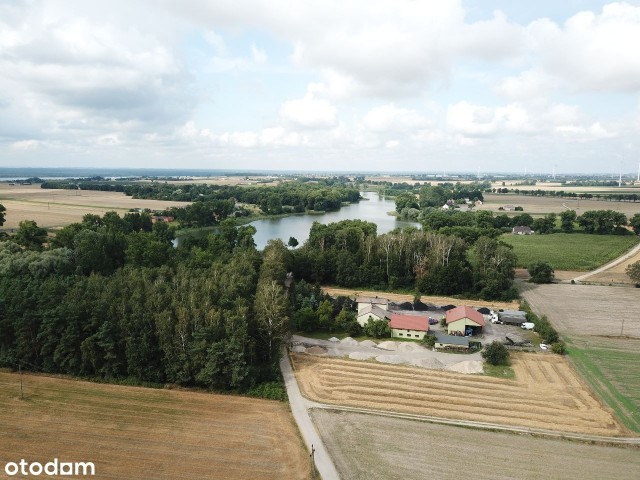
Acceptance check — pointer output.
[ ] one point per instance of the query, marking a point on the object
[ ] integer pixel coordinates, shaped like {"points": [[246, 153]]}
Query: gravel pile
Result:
{"points": [[388, 345], [468, 366], [410, 347], [393, 359], [368, 343], [349, 341], [361, 355], [316, 350], [298, 349], [334, 339], [432, 363]]}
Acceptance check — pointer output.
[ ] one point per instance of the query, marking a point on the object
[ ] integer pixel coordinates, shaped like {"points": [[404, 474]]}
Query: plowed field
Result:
{"points": [[546, 393], [142, 433]]}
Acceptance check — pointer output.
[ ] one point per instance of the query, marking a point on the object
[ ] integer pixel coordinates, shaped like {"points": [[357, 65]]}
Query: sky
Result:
{"points": [[337, 85]]}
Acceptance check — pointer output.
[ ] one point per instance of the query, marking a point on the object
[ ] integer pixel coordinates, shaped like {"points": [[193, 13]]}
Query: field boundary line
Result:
{"points": [[618, 441]]}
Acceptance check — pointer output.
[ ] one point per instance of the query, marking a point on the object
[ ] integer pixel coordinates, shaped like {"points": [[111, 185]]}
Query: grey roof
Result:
{"points": [[451, 339], [521, 229], [375, 310], [373, 300], [513, 313]]}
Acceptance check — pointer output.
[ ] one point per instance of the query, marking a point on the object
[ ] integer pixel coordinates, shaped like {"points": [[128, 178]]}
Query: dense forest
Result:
{"points": [[111, 298]]}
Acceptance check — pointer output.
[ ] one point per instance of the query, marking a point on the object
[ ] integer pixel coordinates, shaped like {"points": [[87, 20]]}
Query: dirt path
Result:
{"points": [[300, 411], [400, 297], [631, 256]]}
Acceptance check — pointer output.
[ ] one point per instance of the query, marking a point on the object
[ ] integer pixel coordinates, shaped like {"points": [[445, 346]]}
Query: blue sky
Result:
{"points": [[398, 85]]}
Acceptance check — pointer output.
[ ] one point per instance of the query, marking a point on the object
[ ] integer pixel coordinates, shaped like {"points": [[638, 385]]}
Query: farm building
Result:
{"points": [[364, 302], [462, 318], [516, 340], [451, 342], [408, 326], [371, 311], [522, 230]]}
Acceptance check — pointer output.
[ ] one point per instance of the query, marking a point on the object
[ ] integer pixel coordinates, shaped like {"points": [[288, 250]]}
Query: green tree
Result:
{"points": [[2, 214], [496, 354], [293, 242], [633, 270], [545, 224], [541, 272], [377, 328], [633, 221], [567, 220], [270, 308], [30, 236]]}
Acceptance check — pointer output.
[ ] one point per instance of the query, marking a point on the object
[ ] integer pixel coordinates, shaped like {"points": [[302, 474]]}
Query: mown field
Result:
{"points": [[141, 433], [569, 251], [372, 447], [602, 328], [545, 394]]}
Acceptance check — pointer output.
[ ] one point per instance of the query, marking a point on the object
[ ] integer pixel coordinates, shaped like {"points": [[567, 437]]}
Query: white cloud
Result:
{"points": [[258, 55], [389, 118], [25, 145], [309, 112]]}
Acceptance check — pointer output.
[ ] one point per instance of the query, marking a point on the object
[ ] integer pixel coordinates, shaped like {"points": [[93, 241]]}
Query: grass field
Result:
{"points": [[140, 433], [372, 447], [569, 251], [545, 393]]}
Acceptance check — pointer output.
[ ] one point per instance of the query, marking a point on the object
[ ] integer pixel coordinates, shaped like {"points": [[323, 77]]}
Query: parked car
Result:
{"points": [[544, 346], [433, 321], [528, 325]]}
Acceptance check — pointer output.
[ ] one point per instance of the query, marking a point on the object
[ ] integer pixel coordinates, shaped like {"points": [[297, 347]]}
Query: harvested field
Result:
{"points": [[545, 394], [542, 205], [400, 297], [586, 309], [57, 208], [131, 432], [372, 447]]}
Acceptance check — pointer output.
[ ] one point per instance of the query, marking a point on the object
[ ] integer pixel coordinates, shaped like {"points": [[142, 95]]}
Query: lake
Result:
{"points": [[374, 209]]}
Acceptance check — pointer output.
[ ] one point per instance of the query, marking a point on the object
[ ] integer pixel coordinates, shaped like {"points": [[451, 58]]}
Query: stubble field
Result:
{"points": [[545, 394], [372, 447], [538, 206], [57, 208], [140, 433]]}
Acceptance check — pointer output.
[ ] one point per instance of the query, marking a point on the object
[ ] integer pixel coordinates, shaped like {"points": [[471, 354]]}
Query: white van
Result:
{"points": [[528, 325]]}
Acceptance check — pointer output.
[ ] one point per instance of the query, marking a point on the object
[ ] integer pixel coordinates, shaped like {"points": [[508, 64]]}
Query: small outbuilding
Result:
{"points": [[450, 342], [408, 326], [371, 311], [364, 302], [461, 319], [522, 230]]}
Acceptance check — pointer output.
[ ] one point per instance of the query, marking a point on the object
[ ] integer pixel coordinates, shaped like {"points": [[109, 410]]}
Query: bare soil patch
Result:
{"points": [[400, 297], [57, 208], [131, 432], [371, 447], [545, 394], [587, 309]]}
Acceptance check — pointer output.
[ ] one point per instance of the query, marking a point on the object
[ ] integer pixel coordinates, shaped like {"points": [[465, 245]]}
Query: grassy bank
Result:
{"points": [[569, 251]]}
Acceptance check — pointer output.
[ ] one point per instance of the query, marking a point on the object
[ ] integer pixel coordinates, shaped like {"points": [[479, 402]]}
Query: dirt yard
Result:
{"points": [[57, 208], [586, 309], [545, 394], [372, 447], [399, 297], [140, 433]]}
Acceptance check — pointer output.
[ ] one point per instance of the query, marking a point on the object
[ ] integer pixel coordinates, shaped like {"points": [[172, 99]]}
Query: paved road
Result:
{"points": [[300, 409], [613, 263]]}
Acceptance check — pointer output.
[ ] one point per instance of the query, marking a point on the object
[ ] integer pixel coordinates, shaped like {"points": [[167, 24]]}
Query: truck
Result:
{"points": [[528, 325]]}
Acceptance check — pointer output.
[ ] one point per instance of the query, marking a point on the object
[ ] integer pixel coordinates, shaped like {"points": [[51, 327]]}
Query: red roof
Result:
{"points": [[465, 312], [409, 322]]}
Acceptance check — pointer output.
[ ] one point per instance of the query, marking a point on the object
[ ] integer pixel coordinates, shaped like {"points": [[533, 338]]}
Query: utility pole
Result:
{"points": [[21, 391]]}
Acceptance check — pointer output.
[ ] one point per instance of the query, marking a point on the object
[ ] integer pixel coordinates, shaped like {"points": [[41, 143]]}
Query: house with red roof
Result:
{"points": [[463, 318], [408, 326]]}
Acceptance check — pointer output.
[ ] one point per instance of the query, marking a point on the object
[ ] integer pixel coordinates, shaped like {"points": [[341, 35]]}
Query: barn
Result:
{"points": [[450, 342], [408, 326], [461, 319]]}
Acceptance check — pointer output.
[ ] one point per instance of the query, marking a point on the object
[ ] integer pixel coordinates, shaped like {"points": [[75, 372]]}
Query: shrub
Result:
{"points": [[429, 341], [377, 328], [496, 354], [541, 272], [269, 390], [559, 347]]}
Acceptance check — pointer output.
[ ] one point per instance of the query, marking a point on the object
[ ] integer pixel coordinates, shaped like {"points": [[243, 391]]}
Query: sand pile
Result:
{"points": [[361, 355], [298, 348], [349, 341], [433, 363], [368, 343], [410, 347], [468, 366], [393, 359], [316, 350], [388, 345], [334, 339]]}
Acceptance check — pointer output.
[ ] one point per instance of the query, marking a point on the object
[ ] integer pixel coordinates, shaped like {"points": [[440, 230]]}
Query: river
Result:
{"points": [[373, 209]]}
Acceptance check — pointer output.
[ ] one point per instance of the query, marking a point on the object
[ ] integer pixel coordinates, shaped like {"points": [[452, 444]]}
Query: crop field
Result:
{"points": [[373, 447], [57, 208], [569, 251], [545, 394], [139, 433], [538, 206], [602, 329]]}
